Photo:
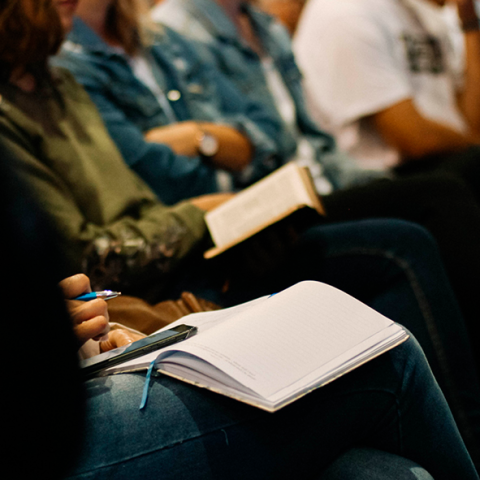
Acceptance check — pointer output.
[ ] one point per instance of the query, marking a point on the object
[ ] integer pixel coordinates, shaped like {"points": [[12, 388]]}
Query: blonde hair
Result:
{"points": [[129, 23]]}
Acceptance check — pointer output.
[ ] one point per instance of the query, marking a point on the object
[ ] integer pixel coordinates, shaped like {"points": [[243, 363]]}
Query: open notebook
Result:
{"points": [[273, 350]]}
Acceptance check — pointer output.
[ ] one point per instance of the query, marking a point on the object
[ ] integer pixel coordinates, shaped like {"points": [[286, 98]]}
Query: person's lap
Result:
{"points": [[391, 265], [462, 165], [391, 403], [394, 267]]}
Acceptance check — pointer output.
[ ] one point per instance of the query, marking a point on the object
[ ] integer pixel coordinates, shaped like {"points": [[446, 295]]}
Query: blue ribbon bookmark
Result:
{"points": [[146, 386]]}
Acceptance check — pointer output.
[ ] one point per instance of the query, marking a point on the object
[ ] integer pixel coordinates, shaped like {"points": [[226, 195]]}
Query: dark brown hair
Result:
{"points": [[30, 31]]}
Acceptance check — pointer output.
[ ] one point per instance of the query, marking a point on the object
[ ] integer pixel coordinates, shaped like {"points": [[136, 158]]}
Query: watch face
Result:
{"points": [[208, 145]]}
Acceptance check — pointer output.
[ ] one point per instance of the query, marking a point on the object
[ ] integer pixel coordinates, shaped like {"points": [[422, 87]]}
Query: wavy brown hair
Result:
{"points": [[30, 31], [128, 22]]}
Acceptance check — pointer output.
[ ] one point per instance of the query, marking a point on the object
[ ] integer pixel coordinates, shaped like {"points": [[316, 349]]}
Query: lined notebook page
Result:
{"points": [[202, 320], [301, 329]]}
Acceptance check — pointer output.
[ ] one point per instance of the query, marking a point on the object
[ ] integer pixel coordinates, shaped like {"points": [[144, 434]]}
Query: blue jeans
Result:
{"points": [[392, 403], [393, 266], [373, 464]]}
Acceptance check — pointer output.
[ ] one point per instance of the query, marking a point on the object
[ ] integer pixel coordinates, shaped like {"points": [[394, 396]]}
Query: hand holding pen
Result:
{"points": [[90, 317]]}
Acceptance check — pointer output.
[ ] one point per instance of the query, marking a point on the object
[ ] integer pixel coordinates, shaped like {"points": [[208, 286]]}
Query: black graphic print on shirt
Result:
{"points": [[424, 53]]}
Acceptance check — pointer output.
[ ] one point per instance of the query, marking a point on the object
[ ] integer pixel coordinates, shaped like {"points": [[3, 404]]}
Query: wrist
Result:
{"points": [[206, 143]]}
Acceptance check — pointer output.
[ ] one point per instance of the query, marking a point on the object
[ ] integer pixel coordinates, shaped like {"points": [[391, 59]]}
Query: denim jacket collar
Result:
{"points": [[213, 17], [263, 25], [84, 41], [82, 36]]}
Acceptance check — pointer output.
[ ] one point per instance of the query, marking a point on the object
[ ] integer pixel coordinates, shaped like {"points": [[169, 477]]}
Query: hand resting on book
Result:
{"points": [[209, 202]]}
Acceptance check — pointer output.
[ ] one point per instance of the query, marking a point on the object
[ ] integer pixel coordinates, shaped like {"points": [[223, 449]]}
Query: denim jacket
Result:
{"points": [[207, 22], [129, 108]]}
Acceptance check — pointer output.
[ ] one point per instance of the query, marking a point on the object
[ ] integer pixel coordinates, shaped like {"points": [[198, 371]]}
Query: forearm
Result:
{"points": [[234, 148], [137, 237], [131, 254], [433, 138], [235, 151], [171, 176], [469, 97], [415, 136]]}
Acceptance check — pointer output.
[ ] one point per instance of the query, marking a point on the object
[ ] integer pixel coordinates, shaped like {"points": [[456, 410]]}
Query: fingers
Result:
{"points": [[76, 285], [90, 319], [83, 311], [211, 201], [91, 328], [119, 338]]}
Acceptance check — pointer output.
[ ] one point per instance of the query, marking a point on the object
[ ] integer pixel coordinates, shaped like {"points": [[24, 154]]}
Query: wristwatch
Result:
{"points": [[207, 144]]}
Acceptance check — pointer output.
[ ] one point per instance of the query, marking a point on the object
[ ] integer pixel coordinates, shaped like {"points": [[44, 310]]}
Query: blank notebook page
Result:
{"points": [[290, 342]]}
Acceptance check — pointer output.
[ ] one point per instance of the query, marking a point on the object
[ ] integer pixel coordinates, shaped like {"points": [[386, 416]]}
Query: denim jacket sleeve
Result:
{"points": [[253, 120], [172, 177], [212, 97]]}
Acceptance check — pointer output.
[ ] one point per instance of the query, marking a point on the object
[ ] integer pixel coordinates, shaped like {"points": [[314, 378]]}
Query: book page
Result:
{"points": [[202, 320], [215, 380], [258, 205], [287, 337], [384, 340]]}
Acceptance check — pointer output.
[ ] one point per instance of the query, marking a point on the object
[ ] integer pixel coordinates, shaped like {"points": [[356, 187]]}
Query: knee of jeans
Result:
{"points": [[373, 464], [408, 358], [413, 370], [421, 474], [410, 350], [410, 236]]}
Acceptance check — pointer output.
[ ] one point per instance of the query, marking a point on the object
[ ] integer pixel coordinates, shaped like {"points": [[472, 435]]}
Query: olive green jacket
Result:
{"points": [[103, 211]]}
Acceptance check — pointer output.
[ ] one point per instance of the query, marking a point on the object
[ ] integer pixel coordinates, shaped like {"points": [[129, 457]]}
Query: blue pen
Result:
{"points": [[104, 294]]}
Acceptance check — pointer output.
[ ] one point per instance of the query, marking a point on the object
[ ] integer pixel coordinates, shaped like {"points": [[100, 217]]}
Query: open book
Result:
{"points": [[273, 350], [268, 201]]}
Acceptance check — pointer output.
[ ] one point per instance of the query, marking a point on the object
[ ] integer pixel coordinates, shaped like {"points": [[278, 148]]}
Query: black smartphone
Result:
{"points": [[94, 365]]}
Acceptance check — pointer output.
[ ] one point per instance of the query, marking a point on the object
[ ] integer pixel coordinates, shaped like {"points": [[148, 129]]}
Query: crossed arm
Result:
{"points": [[234, 153], [416, 136]]}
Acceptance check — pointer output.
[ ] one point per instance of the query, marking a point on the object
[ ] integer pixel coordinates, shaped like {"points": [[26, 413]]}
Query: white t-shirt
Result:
{"points": [[362, 56], [305, 154]]}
